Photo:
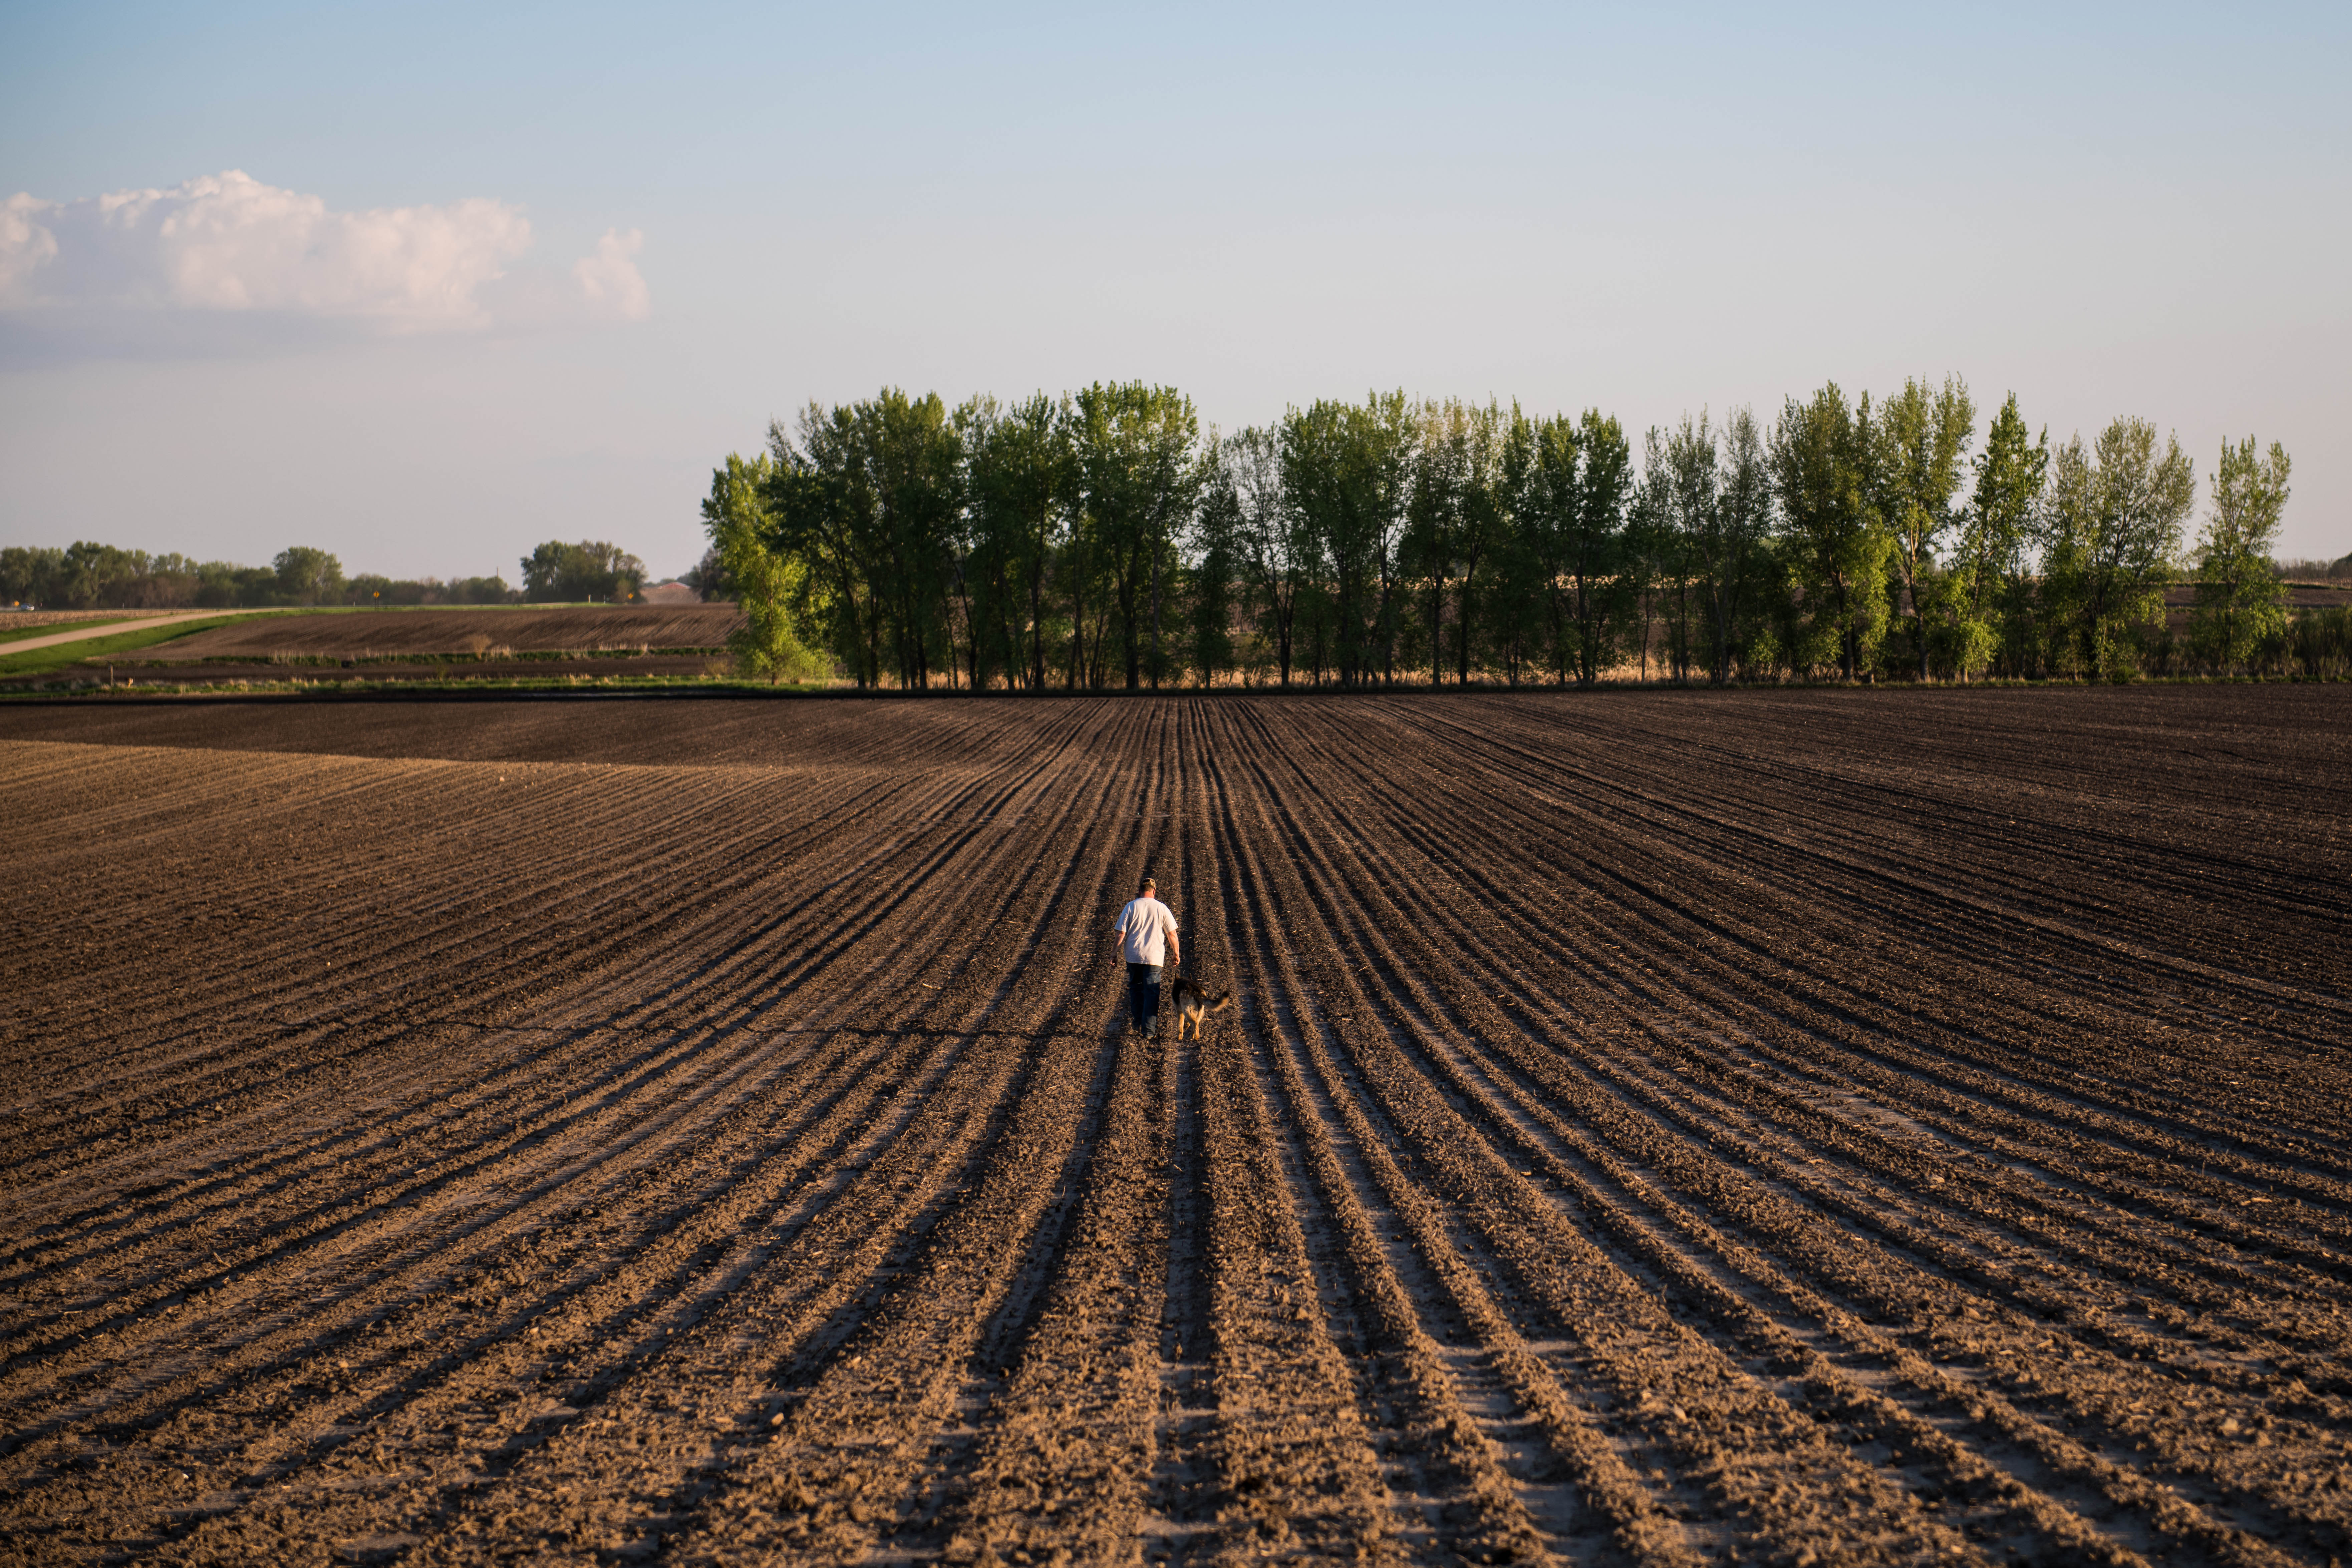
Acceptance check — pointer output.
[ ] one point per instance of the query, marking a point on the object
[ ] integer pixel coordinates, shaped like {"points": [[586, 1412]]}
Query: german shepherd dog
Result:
{"points": [[1194, 1005]]}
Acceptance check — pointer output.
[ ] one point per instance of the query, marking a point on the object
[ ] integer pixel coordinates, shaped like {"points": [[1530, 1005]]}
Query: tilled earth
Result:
{"points": [[1807, 1128]]}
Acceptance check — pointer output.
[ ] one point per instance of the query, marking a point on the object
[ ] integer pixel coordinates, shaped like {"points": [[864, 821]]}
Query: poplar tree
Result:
{"points": [[1681, 509], [2241, 598], [1023, 483], [1994, 568], [1923, 438], [1216, 543], [1384, 437], [914, 461], [767, 581], [1134, 450], [1592, 544], [1323, 486], [820, 507], [1459, 512], [1548, 495], [1731, 552], [1277, 550], [2112, 533], [1820, 458]]}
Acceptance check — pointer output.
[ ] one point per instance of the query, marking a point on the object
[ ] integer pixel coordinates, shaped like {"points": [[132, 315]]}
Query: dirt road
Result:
{"points": [[1802, 1128]]}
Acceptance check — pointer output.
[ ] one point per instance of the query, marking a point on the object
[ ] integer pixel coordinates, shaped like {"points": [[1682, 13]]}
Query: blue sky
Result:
{"points": [[2108, 210]]}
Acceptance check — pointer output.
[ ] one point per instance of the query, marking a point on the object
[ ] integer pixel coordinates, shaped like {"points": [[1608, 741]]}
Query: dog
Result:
{"points": [[1194, 1004]]}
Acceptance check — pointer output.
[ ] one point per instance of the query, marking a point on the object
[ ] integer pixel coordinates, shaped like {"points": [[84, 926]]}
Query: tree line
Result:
{"points": [[89, 575], [1105, 539]]}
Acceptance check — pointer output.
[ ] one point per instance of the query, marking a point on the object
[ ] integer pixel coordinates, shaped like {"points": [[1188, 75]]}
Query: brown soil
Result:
{"points": [[27, 622], [1810, 1127], [524, 629], [143, 672]]}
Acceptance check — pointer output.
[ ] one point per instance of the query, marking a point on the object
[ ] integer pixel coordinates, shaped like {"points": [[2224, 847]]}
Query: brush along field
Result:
{"points": [[1806, 1128]]}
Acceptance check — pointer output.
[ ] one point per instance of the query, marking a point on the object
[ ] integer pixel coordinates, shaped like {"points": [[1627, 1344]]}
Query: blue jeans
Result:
{"points": [[1143, 996]]}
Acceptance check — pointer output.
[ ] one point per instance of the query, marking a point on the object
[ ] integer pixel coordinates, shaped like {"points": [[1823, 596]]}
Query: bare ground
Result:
{"points": [[1804, 1128]]}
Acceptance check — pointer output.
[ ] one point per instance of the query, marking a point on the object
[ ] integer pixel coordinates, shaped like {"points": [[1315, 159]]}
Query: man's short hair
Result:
{"points": [[1147, 885]]}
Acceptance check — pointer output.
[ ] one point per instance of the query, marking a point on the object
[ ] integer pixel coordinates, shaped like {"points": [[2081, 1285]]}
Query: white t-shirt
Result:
{"points": [[1146, 923]]}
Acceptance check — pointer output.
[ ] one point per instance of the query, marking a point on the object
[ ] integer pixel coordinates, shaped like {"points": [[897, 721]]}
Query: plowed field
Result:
{"points": [[1804, 1128], [524, 629]]}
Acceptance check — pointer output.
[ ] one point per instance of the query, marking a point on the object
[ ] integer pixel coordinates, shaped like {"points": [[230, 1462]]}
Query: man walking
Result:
{"points": [[1146, 933]]}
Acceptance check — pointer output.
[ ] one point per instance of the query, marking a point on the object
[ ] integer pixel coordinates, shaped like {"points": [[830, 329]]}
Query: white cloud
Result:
{"points": [[25, 245], [228, 244], [609, 281]]}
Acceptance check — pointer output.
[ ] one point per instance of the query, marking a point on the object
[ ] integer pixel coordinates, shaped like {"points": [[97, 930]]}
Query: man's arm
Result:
{"points": [[1175, 948]]}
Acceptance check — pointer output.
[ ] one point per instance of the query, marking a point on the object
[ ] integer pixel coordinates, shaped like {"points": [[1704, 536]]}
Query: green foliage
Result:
{"points": [[1458, 518], [2320, 643], [1099, 539], [1279, 553], [767, 583], [2111, 535], [1821, 455], [89, 575], [1348, 472], [590, 570], [1023, 490], [1703, 516], [2240, 600], [1137, 479], [1922, 438], [1993, 579], [308, 576], [870, 496]]}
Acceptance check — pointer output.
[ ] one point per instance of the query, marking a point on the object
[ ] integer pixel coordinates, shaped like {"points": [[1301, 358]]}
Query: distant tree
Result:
{"points": [[492, 590], [1440, 476], [1279, 554], [590, 570], [1993, 570], [1348, 472], [768, 581], [822, 510], [2112, 533], [1682, 507], [32, 574], [1133, 445], [1023, 485], [1594, 545], [1215, 546], [707, 577], [1820, 458], [308, 576], [1385, 433], [2241, 598], [1518, 613], [913, 458], [1923, 438], [1459, 514], [1732, 553], [91, 574]]}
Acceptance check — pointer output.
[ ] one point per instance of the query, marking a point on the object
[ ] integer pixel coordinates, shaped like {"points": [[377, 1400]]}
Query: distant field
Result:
{"points": [[530, 629], [25, 627], [29, 622], [85, 655]]}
